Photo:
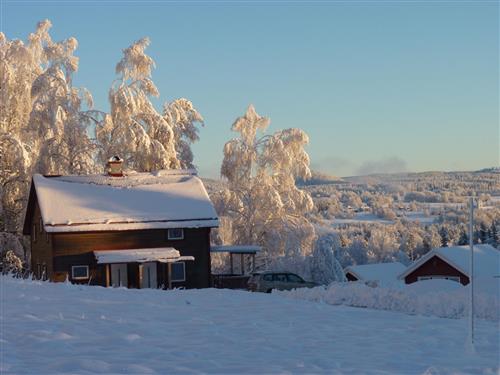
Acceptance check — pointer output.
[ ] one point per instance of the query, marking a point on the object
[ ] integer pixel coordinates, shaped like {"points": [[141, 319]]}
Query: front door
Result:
{"points": [[119, 275], [148, 275]]}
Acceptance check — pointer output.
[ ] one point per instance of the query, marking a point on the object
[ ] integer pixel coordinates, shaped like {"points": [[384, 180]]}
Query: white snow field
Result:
{"points": [[61, 328]]}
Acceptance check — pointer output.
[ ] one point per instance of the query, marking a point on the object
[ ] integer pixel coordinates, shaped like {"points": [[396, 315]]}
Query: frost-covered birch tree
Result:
{"points": [[20, 65], [183, 118], [261, 198], [134, 129], [42, 126], [60, 126]]}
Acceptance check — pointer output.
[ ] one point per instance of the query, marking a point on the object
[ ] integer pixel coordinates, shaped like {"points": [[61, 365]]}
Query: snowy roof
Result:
{"points": [[243, 249], [163, 199], [384, 272], [159, 254], [486, 260]]}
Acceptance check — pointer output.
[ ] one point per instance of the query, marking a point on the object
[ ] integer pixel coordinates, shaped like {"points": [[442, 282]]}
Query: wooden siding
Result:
{"points": [[77, 249], [41, 248], [435, 266]]}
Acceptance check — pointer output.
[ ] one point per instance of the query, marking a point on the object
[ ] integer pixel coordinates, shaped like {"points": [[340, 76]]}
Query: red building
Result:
{"points": [[453, 263]]}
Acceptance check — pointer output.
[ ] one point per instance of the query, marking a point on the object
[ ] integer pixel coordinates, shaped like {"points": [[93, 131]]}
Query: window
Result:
{"points": [[175, 234], [434, 277], [41, 225], [33, 233], [294, 278], [281, 277], [178, 271], [268, 277], [80, 272]]}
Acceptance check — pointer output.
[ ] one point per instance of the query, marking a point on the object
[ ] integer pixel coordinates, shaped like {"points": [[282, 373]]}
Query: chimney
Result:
{"points": [[115, 166]]}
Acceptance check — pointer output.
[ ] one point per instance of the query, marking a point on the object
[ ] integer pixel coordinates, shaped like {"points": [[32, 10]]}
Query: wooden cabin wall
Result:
{"points": [[77, 248], [41, 245]]}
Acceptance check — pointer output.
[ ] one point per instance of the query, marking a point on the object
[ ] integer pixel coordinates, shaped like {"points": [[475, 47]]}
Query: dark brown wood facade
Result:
{"points": [[54, 254], [350, 277], [41, 246], [436, 267]]}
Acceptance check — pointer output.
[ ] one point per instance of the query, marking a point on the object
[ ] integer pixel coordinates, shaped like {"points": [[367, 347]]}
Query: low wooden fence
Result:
{"points": [[230, 281]]}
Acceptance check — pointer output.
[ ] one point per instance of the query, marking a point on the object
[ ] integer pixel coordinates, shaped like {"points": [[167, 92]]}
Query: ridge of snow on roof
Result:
{"points": [[157, 254], [162, 199], [385, 272], [486, 260]]}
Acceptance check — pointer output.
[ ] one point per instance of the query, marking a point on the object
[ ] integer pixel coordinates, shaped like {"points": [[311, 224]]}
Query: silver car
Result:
{"points": [[267, 281]]}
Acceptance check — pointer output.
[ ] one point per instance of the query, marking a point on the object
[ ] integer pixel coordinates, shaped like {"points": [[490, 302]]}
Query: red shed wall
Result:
{"points": [[435, 266]]}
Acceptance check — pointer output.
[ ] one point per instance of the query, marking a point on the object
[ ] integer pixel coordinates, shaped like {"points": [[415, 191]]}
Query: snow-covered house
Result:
{"points": [[384, 273], [135, 230], [453, 263]]}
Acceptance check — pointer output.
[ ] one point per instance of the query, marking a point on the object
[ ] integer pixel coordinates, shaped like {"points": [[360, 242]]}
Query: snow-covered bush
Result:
{"points": [[324, 265], [442, 298], [11, 263]]}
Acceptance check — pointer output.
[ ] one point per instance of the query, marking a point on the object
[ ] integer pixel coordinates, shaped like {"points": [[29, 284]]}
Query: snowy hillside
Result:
{"points": [[60, 328]]}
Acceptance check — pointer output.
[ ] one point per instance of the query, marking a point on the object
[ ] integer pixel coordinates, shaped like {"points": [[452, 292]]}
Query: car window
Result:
{"points": [[281, 277], [268, 277], [294, 278]]}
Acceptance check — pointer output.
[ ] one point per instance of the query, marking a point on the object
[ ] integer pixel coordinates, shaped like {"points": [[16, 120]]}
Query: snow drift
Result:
{"points": [[441, 298]]}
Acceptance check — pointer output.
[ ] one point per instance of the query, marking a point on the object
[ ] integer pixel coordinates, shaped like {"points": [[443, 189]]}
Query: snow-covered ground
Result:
{"points": [[60, 328], [419, 216], [367, 218], [360, 218]]}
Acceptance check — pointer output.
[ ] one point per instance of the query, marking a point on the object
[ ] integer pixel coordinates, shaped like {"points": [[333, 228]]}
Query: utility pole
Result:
{"points": [[471, 274]]}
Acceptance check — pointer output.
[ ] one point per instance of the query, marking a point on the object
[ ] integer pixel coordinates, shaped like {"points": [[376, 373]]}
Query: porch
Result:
{"points": [[242, 265], [143, 268]]}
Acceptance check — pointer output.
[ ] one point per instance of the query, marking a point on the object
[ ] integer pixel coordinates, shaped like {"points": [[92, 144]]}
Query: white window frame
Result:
{"points": [[183, 272], [80, 277], [175, 238], [439, 277]]}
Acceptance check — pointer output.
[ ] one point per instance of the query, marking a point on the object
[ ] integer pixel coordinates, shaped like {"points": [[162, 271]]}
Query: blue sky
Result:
{"points": [[378, 85]]}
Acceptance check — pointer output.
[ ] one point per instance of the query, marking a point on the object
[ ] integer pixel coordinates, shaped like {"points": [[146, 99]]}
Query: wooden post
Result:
{"points": [[140, 275], [231, 261], [107, 271], [169, 275], [242, 261]]}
